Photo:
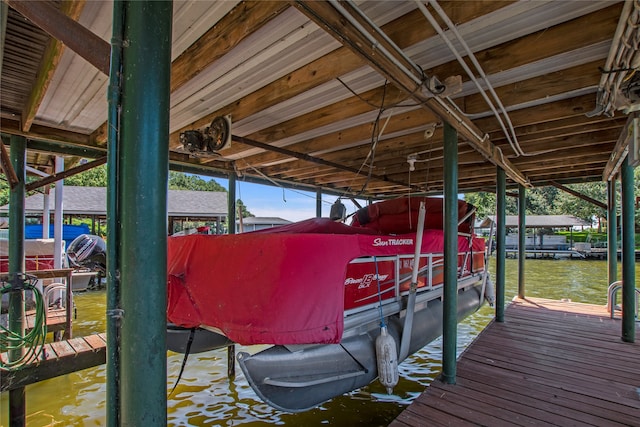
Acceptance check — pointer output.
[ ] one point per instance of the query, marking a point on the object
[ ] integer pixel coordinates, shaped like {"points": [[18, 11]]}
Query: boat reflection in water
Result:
{"points": [[338, 304]]}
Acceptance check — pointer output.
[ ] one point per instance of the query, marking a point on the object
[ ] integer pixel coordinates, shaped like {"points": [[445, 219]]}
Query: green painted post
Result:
{"points": [[143, 172], [113, 221], [17, 400], [231, 204], [318, 203], [231, 225], [628, 254], [450, 292], [612, 231], [501, 233], [522, 229]]}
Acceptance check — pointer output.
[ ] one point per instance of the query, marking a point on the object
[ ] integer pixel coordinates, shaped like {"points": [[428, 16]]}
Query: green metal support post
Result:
{"points": [[231, 204], [17, 400], [522, 241], [501, 233], [318, 203], [450, 292], [231, 221], [113, 221], [143, 174], [612, 231], [628, 253]]}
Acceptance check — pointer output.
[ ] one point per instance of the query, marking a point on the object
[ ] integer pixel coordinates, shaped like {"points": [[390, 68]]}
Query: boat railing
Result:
{"points": [[430, 277], [612, 297]]}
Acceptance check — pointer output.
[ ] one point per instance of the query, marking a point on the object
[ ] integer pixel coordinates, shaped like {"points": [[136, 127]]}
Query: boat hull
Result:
{"points": [[297, 378], [203, 340]]}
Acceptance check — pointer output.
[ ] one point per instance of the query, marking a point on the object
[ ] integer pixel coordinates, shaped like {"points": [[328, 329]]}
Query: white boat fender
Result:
{"points": [[387, 358], [490, 293]]}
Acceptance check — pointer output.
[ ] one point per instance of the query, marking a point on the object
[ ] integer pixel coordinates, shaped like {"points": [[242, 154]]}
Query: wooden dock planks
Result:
{"points": [[62, 357], [550, 363]]}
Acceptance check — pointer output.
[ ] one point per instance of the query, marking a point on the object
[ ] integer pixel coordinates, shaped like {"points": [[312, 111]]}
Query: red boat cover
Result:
{"points": [[400, 215], [284, 285]]}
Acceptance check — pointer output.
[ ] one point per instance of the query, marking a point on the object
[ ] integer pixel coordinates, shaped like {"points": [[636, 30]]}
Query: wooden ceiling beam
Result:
{"points": [[238, 24], [329, 18], [337, 63], [60, 26], [48, 65], [579, 195], [580, 32], [536, 88]]}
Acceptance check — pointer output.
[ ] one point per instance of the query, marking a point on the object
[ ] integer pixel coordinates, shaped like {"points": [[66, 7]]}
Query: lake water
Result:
{"points": [[205, 397]]}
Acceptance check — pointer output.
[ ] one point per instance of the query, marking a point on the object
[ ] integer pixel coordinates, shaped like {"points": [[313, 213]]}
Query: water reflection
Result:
{"points": [[205, 397]]}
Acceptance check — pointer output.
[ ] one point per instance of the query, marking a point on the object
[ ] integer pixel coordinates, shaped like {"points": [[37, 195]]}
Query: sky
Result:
{"points": [[272, 201]]}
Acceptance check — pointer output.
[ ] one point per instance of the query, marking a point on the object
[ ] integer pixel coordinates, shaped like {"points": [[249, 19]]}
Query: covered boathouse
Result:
{"points": [[366, 99]]}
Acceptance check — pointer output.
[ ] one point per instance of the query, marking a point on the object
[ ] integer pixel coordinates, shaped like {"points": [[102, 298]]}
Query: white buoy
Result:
{"points": [[490, 293], [387, 356]]}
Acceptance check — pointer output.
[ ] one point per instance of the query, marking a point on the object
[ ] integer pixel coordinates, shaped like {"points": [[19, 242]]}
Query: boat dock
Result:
{"points": [[56, 359], [550, 362]]}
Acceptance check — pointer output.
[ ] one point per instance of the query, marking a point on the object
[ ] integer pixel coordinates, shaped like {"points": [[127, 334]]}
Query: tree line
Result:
{"points": [[97, 177], [553, 201]]}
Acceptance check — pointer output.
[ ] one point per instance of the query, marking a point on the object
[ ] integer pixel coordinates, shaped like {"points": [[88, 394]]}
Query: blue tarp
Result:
{"points": [[69, 232]]}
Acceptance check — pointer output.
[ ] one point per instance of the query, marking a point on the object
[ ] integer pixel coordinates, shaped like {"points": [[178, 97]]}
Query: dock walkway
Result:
{"points": [[57, 358], [550, 363]]}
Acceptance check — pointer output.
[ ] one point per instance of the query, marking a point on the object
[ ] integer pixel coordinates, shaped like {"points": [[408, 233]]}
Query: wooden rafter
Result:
{"points": [[328, 18]]}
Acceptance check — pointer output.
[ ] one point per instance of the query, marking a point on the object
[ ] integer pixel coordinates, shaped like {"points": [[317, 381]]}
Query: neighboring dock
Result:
{"points": [[57, 358], [551, 362]]}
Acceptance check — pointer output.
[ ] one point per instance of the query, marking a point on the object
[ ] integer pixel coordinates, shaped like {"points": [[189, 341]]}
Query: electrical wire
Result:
{"points": [[29, 344]]}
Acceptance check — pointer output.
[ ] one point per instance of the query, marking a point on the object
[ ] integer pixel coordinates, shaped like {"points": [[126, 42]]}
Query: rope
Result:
{"points": [[30, 344]]}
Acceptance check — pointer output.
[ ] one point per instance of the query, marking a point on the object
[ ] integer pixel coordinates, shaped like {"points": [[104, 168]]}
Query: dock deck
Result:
{"points": [[57, 358], [550, 363]]}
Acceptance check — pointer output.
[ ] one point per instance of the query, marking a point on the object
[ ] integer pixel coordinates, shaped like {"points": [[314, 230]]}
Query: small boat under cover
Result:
{"points": [[318, 292]]}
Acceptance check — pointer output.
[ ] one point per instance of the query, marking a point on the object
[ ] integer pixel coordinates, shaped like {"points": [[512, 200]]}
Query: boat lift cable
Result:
{"points": [[184, 360], [511, 136], [30, 345]]}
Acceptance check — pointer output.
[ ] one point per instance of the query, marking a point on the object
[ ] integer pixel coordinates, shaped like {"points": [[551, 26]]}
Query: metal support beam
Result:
{"points": [[628, 253], [66, 174], [5, 163], [450, 292], [579, 195], [17, 401], [501, 233], [345, 22], [318, 203], [316, 160], [143, 175], [114, 313], [612, 232], [522, 229], [232, 210]]}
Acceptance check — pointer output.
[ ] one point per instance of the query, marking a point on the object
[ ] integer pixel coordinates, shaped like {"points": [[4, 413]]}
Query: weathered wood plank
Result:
{"points": [[60, 358], [558, 363]]}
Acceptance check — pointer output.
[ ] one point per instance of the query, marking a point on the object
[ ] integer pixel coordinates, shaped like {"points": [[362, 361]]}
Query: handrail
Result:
{"points": [[612, 293]]}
